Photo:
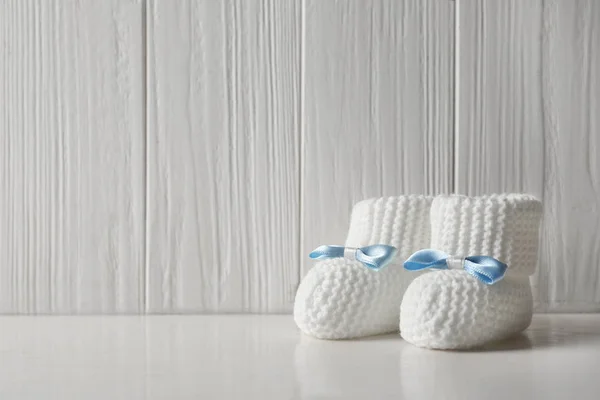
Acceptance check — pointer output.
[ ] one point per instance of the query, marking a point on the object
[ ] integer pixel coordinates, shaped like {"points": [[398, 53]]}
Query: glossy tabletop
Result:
{"points": [[265, 357]]}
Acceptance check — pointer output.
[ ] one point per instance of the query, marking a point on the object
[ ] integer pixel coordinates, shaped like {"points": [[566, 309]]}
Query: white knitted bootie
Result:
{"points": [[451, 309], [340, 298]]}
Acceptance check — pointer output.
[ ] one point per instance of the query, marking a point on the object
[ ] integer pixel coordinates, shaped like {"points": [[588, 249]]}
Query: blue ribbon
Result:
{"points": [[373, 257], [487, 269]]}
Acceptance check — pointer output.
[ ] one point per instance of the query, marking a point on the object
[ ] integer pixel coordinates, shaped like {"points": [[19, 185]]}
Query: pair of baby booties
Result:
{"points": [[440, 309]]}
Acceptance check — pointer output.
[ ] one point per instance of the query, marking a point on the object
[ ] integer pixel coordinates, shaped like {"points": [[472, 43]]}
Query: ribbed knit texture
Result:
{"points": [[504, 226], [341, 299], [451, 309]]}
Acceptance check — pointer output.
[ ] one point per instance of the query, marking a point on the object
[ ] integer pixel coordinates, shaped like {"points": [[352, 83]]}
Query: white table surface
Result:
{"points": [[265, 357]]}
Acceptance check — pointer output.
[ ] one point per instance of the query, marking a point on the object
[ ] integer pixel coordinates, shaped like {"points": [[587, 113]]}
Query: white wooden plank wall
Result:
{"points": [[71, 157], [377, 112], [569, 277], [184, 156], [529, 87], [223, 136]]}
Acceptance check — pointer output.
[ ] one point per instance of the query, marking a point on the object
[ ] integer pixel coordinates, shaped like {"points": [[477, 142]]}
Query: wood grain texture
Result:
{"points": [[223, 155], [266, 120], [569, 276], [528, 121], [71, 157], [499, 95], [377, 107]]}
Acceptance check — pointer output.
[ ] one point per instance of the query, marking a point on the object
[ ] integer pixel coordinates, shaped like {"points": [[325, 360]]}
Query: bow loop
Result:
{"points": [[426, 258], [373, 257], [376, 256], [487, 269], [325, 251]]}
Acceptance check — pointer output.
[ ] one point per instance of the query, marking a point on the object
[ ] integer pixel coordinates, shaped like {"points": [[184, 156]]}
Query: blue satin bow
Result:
{"points": [[373, 257], [487, 269]]}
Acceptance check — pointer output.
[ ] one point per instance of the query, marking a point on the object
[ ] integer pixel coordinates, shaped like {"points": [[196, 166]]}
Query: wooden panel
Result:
{"points": [[499, 115], [223, 155], [71, 157], [569, 277], [528, 121], [377, 107]]}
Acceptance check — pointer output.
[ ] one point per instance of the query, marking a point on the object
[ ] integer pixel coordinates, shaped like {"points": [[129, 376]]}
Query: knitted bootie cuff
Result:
{"points": [[399, 221], [503, 226]]}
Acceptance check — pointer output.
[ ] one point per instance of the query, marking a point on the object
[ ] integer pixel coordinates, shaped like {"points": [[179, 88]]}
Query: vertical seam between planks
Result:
{"points": [[541, 282], [301, 81], [145, 230], [542, 77], [456, 105]]}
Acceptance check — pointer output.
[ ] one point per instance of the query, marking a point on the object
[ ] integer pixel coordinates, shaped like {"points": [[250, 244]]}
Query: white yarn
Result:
{"points": [[504, 226], [341, 299], [451, 309]]}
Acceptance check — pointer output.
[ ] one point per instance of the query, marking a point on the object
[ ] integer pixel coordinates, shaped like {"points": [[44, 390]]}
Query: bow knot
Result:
{"points": [[373, 257], [487, 269]]}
